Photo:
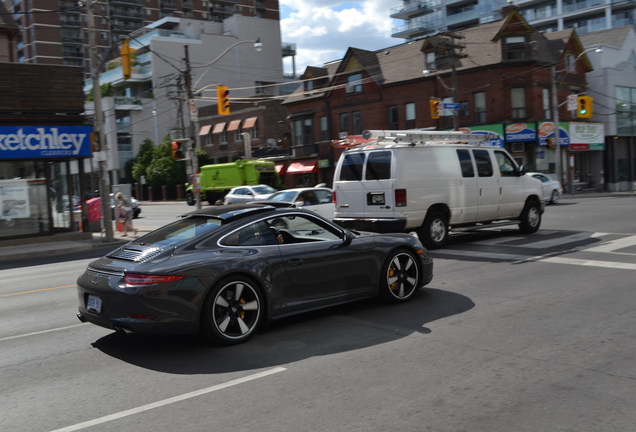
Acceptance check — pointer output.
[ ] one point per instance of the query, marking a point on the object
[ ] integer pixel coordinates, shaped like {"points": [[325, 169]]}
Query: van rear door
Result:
{"points": [[363, 185]]}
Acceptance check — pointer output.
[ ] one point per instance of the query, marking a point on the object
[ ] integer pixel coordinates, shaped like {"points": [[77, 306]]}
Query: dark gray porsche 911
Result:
{"points": [[224, 270]]}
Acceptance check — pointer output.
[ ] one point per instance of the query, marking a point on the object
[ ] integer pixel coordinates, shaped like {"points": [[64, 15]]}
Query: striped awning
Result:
{"points": [[218, 128], [205, 130], [234, 125]]}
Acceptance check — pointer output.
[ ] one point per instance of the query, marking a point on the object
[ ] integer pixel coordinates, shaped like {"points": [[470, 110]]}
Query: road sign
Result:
{"points": [[572, 102], [451, 106]]}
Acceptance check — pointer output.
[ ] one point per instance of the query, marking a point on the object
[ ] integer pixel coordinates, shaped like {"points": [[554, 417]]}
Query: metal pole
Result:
{"points": [[555, 115], [195, 126], [104, 182]]}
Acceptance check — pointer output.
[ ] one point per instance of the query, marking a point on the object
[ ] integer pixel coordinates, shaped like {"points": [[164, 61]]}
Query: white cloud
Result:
{"points": [[323, 29]]}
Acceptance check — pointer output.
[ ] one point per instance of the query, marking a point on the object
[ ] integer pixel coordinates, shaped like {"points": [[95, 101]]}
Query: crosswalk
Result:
{"points": [[597, 249]]}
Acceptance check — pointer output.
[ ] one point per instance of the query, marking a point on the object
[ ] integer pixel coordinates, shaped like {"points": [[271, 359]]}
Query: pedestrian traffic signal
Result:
{"points": [[434, 106], [125, 52], [584, 106], [223, 97], [176, 150]]}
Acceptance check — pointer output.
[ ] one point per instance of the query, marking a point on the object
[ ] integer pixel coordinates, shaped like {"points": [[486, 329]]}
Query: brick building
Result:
{"points": [[499, 76]]}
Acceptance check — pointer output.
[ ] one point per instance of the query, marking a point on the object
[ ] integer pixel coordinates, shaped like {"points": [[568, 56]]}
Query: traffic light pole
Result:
{"points": [[194, 159], [555, 115], [104, 182]]}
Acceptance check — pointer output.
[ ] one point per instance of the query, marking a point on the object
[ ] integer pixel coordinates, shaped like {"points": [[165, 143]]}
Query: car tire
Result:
{"points": [[400, 277], [554, 198], [530, 219], [434, 231], [232, 311], [190, 199]]}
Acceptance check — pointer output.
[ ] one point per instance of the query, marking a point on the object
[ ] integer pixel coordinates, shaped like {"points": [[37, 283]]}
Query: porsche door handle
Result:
{"points": [[295, 262]]}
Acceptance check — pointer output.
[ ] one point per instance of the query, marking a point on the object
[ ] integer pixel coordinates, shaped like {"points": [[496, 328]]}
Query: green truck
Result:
{"points": [[216, 180]]}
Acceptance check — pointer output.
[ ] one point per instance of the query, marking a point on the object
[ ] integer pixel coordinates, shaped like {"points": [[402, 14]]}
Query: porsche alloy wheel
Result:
{"points": [[401, 277], [233, 311]]}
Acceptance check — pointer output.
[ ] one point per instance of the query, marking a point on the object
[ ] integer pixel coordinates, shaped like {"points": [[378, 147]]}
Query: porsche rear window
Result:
{"points": [[181, 231]]}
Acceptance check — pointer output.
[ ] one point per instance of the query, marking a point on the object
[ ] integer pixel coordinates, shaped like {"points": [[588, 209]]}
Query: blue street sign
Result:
{"points": [[451, 106]]}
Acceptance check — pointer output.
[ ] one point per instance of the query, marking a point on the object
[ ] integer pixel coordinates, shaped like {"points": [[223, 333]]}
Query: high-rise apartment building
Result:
{"points": [[56, 31], [424, 17]]}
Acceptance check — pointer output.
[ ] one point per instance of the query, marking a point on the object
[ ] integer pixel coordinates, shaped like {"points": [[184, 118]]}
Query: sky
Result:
{"points": [[323, 29]]}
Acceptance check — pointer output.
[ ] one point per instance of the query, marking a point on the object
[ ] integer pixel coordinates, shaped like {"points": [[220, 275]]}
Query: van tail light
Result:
{"points": [[333, 197], [147, 279], [400, 197]]}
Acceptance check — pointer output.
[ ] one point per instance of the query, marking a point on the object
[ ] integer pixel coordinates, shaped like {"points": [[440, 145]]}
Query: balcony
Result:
{"points": [[412, 30], [168, 5], [411, 9], [128, 2], [72, 40], [126, 13], [66, 22], [187, 4], [462, 17]]}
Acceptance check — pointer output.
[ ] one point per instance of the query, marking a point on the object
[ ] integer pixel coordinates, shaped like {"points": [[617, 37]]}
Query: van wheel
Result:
{"points": [[434, 231], [530, 219], [190, 199]]}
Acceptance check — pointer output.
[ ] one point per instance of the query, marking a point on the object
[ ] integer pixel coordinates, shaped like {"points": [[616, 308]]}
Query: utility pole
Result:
{"points": [[194, 128], [555, 110], [104, 182]]}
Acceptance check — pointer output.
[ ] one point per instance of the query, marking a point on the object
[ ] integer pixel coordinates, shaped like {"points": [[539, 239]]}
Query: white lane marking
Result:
{"points": [[613, 245], [589, 263], [168, 401], [560, 240], [477, 254], [40, 332]]}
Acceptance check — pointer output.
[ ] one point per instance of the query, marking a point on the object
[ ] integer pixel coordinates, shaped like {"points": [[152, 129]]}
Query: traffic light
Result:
{"points": [[223, 97], [176, 150], [584, 106], [549, 142], [125, 52], [434, 105]]}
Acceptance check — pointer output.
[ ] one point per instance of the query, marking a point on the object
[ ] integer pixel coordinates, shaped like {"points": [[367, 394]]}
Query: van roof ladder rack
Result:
{"points": [[421, 137]]}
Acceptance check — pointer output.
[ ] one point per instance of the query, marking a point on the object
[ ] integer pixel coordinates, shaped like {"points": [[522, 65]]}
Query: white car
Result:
{"points": [[245, 194], [552, 189], [317, 199]]}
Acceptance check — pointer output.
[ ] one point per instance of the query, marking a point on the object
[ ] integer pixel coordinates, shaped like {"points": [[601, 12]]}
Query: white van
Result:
{"points": [[431, 182]]}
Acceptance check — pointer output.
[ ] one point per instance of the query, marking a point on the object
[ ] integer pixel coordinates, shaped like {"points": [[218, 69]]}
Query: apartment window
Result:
{"points": [[223, 137], [393, 117], [626, 111], [324, 129], [344, 123], [357, 123], [209, 140], [480, 107], [308, 85], [410, 115], [303, 131], [354, 84], [431, 64], [515, 48], [255, 131], [570, 63], [464, 109], [545, 101], [238, 137], [518, 103]]}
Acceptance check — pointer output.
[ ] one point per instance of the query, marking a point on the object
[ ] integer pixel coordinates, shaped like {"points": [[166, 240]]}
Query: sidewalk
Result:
{"points": [[57, 244]]}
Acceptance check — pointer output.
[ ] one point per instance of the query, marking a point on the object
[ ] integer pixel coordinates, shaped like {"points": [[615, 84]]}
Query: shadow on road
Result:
{"points": [[334, 330]]}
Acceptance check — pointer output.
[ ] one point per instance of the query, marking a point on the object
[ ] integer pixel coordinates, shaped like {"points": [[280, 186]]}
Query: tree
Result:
{"points": [[142, 161], [163, 170]]}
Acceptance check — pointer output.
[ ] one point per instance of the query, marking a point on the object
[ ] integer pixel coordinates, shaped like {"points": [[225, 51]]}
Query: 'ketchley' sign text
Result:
{"points": [[28, 142]]}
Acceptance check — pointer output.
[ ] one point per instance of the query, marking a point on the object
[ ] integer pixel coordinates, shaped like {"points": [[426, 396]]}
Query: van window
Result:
{"points": [[484, 165], [351, 169], [466, 163], [379, 166], [507, 167]]}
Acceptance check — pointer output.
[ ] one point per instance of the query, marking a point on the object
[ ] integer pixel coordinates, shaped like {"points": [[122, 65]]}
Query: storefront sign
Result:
{"points": [[590, 134], [495, 130], [521, 132], [546, 130], [29, 142]]}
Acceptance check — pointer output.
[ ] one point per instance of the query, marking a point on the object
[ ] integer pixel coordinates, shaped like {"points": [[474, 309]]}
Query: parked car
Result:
{"points": [[224, 271], [245, 194], [552, 189], [316, 199]]}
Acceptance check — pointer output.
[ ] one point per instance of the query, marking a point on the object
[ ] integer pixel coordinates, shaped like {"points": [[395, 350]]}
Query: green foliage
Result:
{"points": [[155, 163]]}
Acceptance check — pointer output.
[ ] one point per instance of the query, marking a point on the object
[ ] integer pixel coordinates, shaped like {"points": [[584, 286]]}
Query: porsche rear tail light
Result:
{"points": [[148, 279], [400, 197]]}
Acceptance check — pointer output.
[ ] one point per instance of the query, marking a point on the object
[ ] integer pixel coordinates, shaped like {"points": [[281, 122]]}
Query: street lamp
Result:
{"points": [[258, 46], [555, 115]]}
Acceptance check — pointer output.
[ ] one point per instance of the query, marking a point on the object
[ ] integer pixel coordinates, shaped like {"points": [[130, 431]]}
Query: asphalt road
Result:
{"points": [[515, 333]]}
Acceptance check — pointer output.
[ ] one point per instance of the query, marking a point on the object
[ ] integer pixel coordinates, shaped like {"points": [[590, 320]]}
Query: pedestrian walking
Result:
{"points": [[125, 213]]}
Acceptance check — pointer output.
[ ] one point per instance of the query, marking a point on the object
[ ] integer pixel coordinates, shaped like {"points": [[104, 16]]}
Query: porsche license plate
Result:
{"points": [[94, 304]]}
